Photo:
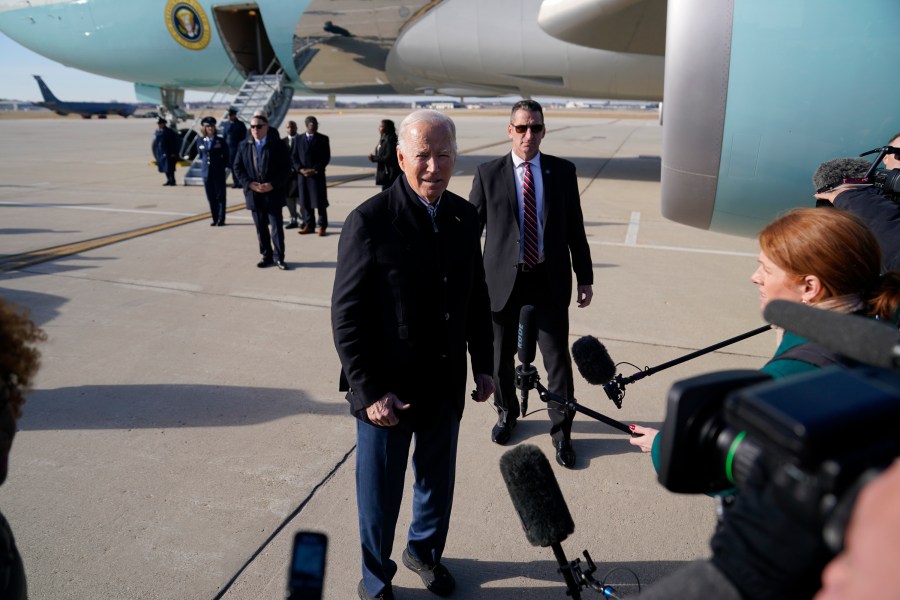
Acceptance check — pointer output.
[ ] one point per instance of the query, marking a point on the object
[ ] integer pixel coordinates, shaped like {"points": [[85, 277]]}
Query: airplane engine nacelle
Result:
{"points": [[758, 93]]}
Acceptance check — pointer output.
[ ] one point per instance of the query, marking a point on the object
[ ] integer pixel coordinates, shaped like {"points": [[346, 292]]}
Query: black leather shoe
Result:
{"points": [[292, 225], [281, 265], [437, 578], [266, 262], [213, 224], [565, 454], [502, 431], [386, 594], [221, 224]]}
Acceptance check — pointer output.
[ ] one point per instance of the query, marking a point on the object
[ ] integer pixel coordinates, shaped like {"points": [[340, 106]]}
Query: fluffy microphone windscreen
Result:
{"points": [[592, 360], [831, 172], [866, 340], [536, 495]]}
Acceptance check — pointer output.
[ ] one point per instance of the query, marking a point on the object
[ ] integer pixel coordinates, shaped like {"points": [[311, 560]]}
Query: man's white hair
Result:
{"points": [[425, 115]]}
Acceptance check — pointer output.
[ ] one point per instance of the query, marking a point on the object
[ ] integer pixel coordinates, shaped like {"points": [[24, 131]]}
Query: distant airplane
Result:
{"points": [[85, 109]]}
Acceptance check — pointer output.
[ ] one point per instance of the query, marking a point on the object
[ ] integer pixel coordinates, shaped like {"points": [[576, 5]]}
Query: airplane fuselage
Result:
{"points": [[454, 47]]}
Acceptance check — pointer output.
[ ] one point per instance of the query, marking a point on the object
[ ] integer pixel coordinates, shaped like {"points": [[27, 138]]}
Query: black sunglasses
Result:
{"points": [[260, 126], [536, 128]]}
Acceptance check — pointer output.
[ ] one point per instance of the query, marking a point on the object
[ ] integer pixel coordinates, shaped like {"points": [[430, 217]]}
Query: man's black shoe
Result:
{"points": [[281, 265], [266, 262], [292, 225], [221, 223], [565, 454], [437, 578], [386, 594], [502, 431]]}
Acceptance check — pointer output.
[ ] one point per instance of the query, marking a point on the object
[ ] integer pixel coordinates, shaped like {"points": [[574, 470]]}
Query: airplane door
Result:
{"points": [[245, 39]]}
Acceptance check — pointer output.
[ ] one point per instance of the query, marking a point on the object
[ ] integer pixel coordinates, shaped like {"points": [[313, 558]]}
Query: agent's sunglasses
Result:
{"points": [[536, 128], [260, 126]]}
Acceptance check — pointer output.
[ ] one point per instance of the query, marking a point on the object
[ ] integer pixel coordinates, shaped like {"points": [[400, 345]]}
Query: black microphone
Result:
{"points": [[540, 504], [592, 360], [526, 343], [860, 338]]}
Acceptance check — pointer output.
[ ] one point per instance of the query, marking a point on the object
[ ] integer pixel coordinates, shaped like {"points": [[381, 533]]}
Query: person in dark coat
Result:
{"points": [[385, 155], [234, 131], [19, 362], [214, 158], [295, 208], [409, 300], [166, 145], [309, 158], [530, 261], [262, 168]]}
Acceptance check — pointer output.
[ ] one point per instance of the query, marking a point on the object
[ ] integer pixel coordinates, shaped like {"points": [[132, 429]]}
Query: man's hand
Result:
{"points": [[381, 412], [484, 387], [585, 293]]}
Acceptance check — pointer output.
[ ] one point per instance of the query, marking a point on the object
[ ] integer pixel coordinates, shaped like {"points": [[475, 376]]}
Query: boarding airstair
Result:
{"points": [[266, 93]]}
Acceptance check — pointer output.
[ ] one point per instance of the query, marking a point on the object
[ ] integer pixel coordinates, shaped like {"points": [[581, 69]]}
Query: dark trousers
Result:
{"points": [[264, 221], [170, 176], [309, 214], [381, 457], [552, 324], [215, 196]]}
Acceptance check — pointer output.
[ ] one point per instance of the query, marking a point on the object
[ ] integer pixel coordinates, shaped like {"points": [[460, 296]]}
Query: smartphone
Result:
{"points": [[307, 572]]}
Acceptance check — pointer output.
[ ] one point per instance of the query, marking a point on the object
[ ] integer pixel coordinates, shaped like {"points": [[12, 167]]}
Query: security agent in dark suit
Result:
{"points": [[234, 131], [214, 159], [530, 252], [293, 193], [309, 158], [262, 167], [166, 145], [409, 300]]}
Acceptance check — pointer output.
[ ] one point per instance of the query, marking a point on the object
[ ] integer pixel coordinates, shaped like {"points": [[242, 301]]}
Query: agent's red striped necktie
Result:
{"points": [[531, 255]]}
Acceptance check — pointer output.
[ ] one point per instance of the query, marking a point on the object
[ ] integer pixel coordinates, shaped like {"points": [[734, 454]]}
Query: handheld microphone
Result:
{"points": [[539, 502], [526, 343], [860, 338]]}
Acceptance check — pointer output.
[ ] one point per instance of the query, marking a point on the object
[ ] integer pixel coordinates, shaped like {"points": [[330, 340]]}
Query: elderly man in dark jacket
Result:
{"points": [[409, 299], [262, 168]]}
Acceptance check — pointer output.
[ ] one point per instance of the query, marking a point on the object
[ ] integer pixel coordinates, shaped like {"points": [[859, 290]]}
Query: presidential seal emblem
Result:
{"points": [[187, 23]]}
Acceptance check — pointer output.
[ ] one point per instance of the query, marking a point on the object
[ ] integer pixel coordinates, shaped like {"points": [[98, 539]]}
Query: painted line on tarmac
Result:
{"points": [[27, 259], [633, 225]]}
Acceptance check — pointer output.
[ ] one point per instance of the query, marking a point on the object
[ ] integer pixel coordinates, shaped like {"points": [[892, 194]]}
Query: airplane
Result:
{"points": [[85, 109], [757, 92]]}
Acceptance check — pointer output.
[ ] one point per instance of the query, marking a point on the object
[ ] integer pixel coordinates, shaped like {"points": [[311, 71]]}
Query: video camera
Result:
{"points": [[887, 181], [817, 432]]}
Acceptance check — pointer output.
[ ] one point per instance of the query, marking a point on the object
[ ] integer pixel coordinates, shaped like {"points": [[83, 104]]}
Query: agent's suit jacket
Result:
{"points": [[565, 244], [315, 154], [407, 303], [273, 167]]}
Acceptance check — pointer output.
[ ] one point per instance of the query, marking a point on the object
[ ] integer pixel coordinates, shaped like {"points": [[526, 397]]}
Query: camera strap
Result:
{"points": [[813, 354]]}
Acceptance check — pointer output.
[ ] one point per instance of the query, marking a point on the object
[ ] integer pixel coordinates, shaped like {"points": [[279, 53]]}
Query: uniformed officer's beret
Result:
{"points": [[208, 121]]}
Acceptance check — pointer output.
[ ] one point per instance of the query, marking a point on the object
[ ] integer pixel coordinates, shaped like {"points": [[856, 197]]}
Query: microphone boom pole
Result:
{"points": [[615, 388], [548, 397]]}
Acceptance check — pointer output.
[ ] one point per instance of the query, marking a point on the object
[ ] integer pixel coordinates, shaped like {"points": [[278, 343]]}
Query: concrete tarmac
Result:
{"points": [[186, 419]]}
